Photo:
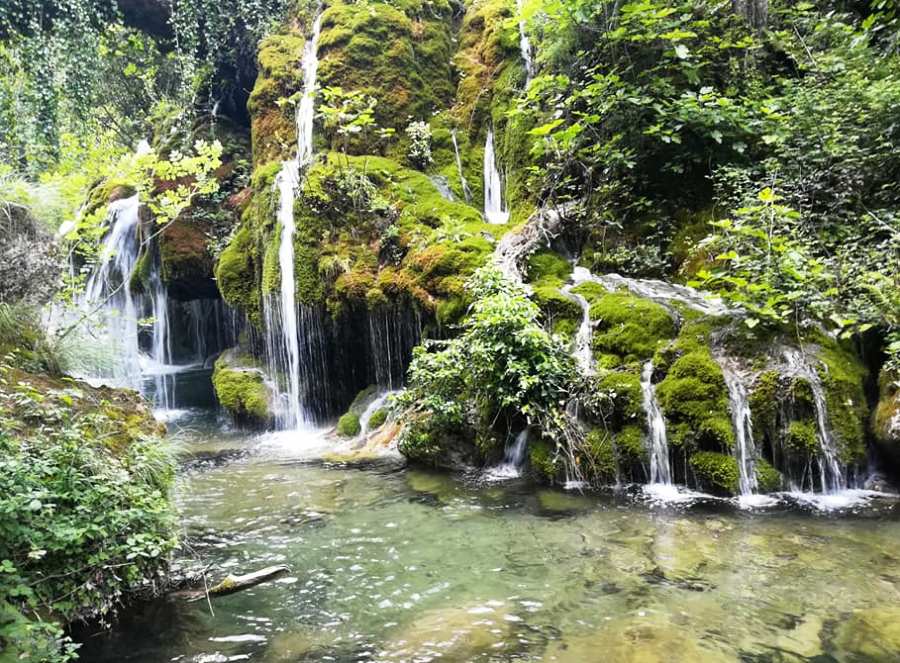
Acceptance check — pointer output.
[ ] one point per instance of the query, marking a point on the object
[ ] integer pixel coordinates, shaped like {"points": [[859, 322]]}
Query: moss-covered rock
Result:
{"points": [[241, 389], [886, 417], [843, 377], [348, 425], [872, 634], [628, 328], [716, 473], [378, 417]]}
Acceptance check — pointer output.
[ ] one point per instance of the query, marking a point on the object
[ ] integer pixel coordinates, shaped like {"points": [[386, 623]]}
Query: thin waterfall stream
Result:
{"points": [[467, 192], [742, 420], [495, 210], [282, 332], [658, 446]]}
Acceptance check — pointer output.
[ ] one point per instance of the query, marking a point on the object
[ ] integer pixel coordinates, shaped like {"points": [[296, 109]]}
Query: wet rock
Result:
{"points": [[454, 634], [871, 635]]}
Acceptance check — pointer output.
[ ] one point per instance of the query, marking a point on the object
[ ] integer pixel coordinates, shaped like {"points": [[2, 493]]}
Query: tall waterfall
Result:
{"points": [[831, 471], [494, 209], [282, 336], [467, 192], [742, 420], [656, 424], [525, 48]]}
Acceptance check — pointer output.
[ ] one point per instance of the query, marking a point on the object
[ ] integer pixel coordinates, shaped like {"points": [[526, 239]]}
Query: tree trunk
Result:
{"points": [[755, 11]]}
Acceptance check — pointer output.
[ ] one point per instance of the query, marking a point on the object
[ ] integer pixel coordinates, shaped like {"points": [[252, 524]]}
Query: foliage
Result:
{"points": [[86, 518], [419, 150], [502, 366], [349, 115]]}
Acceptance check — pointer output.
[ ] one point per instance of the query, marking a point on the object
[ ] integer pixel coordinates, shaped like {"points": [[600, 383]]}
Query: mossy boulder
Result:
{"points": [[241, 389], [628, 328], [378, 417], [843, 376], [348, 425], [716, 473]]}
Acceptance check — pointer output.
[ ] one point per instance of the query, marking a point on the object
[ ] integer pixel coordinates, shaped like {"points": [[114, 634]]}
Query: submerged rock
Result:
{"points": [[871, 635], [454, 634]]}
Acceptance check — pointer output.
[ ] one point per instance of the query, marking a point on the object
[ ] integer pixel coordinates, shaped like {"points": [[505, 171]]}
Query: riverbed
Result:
{"points": [[390, 563]]}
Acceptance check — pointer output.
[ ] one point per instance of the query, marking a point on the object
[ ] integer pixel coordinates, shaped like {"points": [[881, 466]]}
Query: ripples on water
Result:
{"points": [[405, 565]]}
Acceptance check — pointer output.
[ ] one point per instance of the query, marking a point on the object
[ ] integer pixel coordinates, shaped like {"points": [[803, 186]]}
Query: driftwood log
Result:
{"points": [[232, 583]]}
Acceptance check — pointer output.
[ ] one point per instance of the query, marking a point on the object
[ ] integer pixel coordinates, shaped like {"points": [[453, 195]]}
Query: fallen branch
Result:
{"points": [[232, 584]]}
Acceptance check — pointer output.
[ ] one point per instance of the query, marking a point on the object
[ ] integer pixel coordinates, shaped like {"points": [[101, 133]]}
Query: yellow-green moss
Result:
{"points": [[543, 461], [378, 417], [241, 389], [716, 472], [843, 377], [628, 327], [601, 465], [348, 425], [236, 275], [548, 268]]}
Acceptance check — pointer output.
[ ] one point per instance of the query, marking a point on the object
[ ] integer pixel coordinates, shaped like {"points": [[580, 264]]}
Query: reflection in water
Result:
{"points": [[406, 565]]}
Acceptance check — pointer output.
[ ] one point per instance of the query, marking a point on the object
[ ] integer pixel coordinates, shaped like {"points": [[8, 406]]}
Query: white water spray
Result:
{"points": [[525, 48], [494, 209], [513, 459]]}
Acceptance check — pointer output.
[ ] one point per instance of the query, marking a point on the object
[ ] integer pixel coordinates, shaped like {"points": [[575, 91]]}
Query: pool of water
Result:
{"points": [[396, 564]]}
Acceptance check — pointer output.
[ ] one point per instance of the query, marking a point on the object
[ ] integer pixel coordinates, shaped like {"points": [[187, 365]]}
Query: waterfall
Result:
{"points": [[513, 459], [525, 47], [744, 448], [108, 289], [659, 446], [379, 402], [583, 353], [443, 186], [494, 211], [283, 343], [467, 192], [831, 472], [665, 292], [393, 333], [161, 341]]}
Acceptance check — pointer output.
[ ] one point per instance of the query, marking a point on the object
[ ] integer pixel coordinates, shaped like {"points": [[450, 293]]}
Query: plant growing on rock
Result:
{"points": [[419, 150]]}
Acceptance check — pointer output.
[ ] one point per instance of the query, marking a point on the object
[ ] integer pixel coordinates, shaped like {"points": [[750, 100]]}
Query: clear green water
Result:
{"points": [[392, 564]]}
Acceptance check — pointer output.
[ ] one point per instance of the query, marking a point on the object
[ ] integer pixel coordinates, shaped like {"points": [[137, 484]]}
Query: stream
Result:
{"points": [[398, 564]]}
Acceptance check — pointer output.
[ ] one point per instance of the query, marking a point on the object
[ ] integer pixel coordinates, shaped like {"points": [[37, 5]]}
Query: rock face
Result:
{"points": [[886, 418], [29, 261]]}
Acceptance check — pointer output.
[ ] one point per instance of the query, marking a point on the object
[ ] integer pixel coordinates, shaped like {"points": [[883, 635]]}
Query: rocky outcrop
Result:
{"points": [[241, 389], [30, 263]]}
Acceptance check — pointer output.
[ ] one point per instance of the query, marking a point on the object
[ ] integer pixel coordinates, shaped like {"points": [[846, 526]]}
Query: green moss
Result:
{"points": [[560, 313], [717, 473], [241, 390], [348, 425], [236, 275], [693, 394], [801, 438], [378, 417], [543, 461], [768, 479], [843, 378], [629, 327], [630, 446], [624, 390], [764, 401], [601, 465], [548, 268]]}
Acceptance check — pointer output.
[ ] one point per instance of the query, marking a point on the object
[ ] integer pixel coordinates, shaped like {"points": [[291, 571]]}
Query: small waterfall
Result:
{"points": [[371, 409], [831, 472], [656, 424], [494, 210], [161, 341], [525, 47], [467, 192], [108, 291], [583, 353], [443, 186], [742, 420], [283, 343], [665, 292], [393, 333], [513, 459]]}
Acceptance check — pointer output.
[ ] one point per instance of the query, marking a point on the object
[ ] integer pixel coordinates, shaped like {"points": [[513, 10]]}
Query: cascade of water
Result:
{"points": [[371, 409], [583, 352], [831, 472], [742, 420], [525, 47], [513, 459], [494, 210], [161, 341], [108, 289], [467, 192], [656, 424], [282, 338]]}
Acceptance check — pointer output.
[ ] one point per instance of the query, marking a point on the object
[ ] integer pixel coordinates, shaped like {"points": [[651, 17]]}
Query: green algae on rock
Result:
{"points": [[241, 389]]}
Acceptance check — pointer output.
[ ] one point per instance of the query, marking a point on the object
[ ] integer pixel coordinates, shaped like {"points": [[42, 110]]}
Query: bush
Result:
{"points": [[85, 517]]}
